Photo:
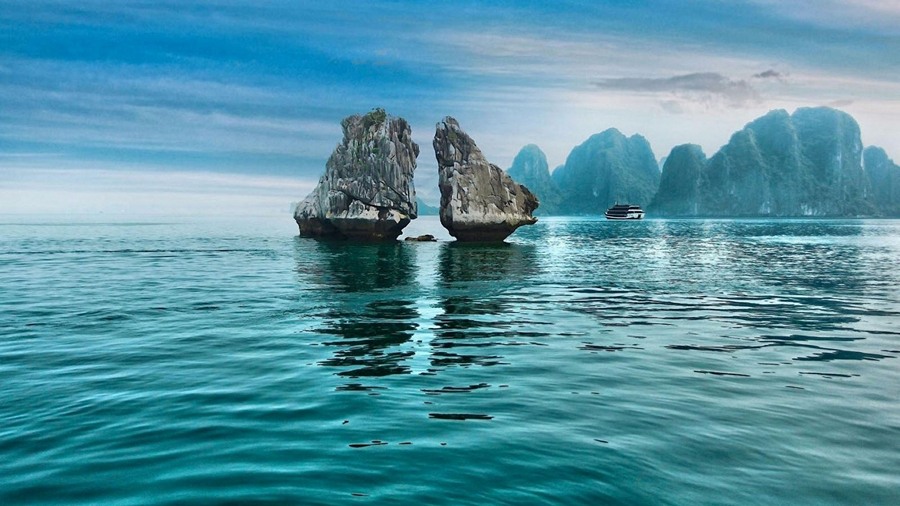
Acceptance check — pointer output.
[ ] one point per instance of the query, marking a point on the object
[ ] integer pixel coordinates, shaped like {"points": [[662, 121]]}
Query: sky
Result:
{"points": [[223, 107]]}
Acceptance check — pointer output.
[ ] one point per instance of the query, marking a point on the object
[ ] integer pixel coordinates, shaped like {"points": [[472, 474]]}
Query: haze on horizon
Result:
{"points": [[219, 107]]}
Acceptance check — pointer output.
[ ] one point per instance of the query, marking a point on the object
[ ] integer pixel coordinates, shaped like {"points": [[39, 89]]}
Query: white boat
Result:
{"points": [[624, 212]]}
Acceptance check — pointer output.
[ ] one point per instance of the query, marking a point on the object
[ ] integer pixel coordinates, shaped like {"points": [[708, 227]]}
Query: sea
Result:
{"points": [[584, 361]]}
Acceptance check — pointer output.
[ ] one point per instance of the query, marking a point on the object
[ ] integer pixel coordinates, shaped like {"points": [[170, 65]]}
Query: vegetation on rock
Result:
{"points": [[530, 168], [884, 179], [607, 168], [804, 164], [375, 117]]}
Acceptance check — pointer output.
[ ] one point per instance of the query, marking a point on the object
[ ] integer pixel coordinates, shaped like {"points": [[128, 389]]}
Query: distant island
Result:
{"points": [[425, 209], [807, 164]]}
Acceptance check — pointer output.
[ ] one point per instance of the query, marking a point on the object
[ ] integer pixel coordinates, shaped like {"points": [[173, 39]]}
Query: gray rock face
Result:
{"points": [[804, 164], [681, 181], [606, 169], [367, 192], [531, 169], [884, 178], [479, 202]]}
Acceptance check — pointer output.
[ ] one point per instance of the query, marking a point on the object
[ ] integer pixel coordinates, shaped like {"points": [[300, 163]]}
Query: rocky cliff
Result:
{"points": [[367, 192], [805, 164], [884, 179], [479, 202], [681, 179], [607, 168], [531, 169]]}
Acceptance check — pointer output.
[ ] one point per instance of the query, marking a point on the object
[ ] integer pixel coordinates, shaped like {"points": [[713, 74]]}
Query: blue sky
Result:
{"points": [[209, 107]]}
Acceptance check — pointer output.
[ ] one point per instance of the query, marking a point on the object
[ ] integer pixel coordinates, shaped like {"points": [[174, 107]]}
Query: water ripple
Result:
{"points": [[584, 362]]}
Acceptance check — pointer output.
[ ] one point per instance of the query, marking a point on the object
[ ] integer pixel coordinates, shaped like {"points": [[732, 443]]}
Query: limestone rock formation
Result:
{"points": [[802, 164], [884, 179], [605, 169], [831, 142], [531, 169], [479, 202], [680, 182], [367, 192]]}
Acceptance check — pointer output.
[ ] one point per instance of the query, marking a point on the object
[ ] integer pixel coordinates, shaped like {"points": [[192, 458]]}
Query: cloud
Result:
{"points": [[840, 103], [700, 86], [769, 74], [672, 106], [872, 15]]}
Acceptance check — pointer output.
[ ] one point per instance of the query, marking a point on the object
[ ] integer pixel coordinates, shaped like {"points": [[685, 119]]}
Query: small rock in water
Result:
{"points": [[422, 238]]}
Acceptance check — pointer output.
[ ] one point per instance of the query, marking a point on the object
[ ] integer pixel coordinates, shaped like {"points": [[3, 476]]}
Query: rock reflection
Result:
{"points": [[479, 283], [503, 262], [460, 416], [355, 267], [469, 323], [455, 390], [367, 338], [831, 355], [368, 311]]}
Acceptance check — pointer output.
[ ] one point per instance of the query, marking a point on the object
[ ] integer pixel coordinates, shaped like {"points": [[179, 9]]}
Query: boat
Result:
{"points": [[624, 212]]}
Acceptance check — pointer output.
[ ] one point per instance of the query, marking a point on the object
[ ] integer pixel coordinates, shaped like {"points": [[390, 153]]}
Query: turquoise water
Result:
{"points": [[584, 362]]}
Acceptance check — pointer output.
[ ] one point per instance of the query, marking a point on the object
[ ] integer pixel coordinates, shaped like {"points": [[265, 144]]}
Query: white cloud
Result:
{"points": [[876, 15], [175, 129], [699, 86]]}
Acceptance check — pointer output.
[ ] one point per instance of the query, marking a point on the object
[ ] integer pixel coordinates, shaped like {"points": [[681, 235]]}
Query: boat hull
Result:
{"points": [[624, 212]]}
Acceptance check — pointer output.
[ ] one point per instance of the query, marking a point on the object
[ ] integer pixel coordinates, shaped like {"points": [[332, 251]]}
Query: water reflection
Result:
{"points": [[478, 287], [831, 355], [366, 295], [745, 287], [368, 340], [503, 262], [794, 290], [799, 255], [355, 267]]}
